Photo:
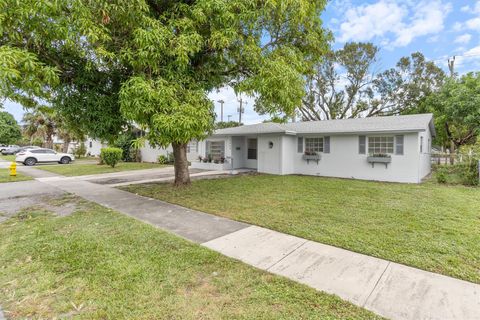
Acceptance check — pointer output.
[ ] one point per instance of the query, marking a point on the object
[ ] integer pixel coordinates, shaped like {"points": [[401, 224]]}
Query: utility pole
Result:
{"points": [[241, 109], [451, 66], [221, 109]]}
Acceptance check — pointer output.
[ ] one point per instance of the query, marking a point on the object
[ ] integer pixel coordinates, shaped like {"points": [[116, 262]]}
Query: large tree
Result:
{"points": [[457, 111], [10, 131], [153, 62], [346, 85]]}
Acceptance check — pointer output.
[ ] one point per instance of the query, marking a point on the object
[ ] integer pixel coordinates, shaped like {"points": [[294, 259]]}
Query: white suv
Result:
{"points": [[31, 156]]}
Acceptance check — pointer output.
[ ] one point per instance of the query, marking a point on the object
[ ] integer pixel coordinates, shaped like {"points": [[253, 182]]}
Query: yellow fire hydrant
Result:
{"points": [[13, 169]]}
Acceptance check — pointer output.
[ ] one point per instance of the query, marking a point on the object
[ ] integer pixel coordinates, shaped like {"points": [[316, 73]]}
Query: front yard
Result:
{"points": [[82, 169], [99, 264], [8, 158], [429, 226], [5, 176]]}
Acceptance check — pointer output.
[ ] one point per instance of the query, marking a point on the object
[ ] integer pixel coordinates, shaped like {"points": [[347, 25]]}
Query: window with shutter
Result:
{"points": [[314, 144], [377, 145]]}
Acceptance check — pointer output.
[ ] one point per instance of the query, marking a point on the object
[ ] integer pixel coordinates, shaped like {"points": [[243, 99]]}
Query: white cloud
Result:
{"points": [[470, 57], [464, 38], [365, 22], [472, 23], [401, 20]]}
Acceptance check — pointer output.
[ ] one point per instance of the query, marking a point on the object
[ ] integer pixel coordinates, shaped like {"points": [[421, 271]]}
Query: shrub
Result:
{"points": [[80, 150], [125, 142], [441, 176], [468, 173], [168, 159], [111, 156], [162, 159]]}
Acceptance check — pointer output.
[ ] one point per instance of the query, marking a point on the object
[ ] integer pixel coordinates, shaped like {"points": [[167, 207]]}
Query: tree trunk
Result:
{"points": [[66, 143], [182, 176]]}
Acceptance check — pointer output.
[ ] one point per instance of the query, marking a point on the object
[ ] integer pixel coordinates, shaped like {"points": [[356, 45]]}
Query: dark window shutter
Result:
{"points": [[362, 145], [399, 145], [326, 144], [300, 145]]}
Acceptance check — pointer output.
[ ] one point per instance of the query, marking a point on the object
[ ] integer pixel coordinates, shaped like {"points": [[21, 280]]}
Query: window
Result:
{"points": [[216, 149], [252, 149], [362, 144], [300, 145], [192, 146], [380, 145], [90, 144], [399, 145], [421, 144], [314, 144]]}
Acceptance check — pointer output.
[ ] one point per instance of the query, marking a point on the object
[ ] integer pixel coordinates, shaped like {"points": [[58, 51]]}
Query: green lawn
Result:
{"points": [[98, 264], [5, 176], [82, 169], [429, 226], [8, 158]]}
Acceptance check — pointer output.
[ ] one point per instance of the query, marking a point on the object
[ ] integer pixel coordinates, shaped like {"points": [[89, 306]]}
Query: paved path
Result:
{"points": [[389, 289]]}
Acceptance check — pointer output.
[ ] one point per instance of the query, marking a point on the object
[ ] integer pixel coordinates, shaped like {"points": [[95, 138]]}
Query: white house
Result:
{"points": [[334, 148], [93, 146]]}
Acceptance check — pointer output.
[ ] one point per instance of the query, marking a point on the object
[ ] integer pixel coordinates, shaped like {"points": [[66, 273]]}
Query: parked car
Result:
{"points": [[31, 157], [12, 149], [24, 148], [2, 147]]}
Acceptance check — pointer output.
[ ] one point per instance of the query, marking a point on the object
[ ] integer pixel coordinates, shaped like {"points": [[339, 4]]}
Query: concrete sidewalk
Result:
{"points": [[389, 289]]}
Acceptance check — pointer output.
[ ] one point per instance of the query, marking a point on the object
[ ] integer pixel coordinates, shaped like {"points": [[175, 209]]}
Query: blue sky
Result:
{"points": [[438, 28]]}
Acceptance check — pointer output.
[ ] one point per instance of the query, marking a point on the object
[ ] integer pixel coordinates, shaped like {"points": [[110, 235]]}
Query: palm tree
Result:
{"points": [[40, 123]]}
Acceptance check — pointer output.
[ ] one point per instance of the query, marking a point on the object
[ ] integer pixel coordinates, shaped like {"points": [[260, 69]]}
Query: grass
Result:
{"points": [[98, 264], [8, 158], [5, 176], [94, 168], [428, 226]]}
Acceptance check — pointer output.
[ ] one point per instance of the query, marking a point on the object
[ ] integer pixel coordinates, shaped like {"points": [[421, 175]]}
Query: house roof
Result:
{"points": [[407, 123]]}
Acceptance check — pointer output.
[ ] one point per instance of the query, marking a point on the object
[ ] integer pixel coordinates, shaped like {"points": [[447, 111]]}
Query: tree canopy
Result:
{"points": [[456, 107], [153, 62], [346, 85], [10, 131]]}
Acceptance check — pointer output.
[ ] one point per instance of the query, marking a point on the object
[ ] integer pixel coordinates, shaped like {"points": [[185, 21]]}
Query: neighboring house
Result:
{"points": [[334, 148], [147, 152], [94, 146], [150, 154]]}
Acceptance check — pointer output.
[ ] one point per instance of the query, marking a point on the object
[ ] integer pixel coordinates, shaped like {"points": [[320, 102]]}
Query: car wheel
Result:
{"points": [[30, 161], [65, 160]]}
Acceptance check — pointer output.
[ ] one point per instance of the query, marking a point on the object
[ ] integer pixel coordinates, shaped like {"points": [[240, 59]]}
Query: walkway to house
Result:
{"points": [[389, 289]]}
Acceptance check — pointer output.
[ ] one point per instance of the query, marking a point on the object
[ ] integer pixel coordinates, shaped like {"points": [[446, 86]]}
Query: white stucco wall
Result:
{"points": [[344, 161], [270, 159]]}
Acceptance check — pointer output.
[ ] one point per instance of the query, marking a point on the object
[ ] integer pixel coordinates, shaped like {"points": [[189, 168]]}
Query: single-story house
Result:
{"points": [[390, 148]]}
